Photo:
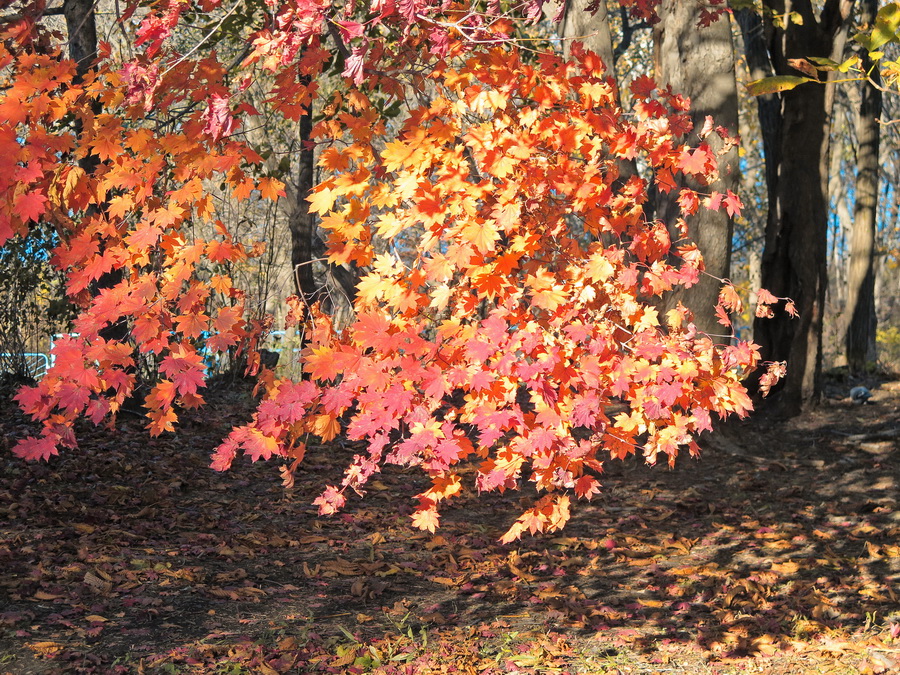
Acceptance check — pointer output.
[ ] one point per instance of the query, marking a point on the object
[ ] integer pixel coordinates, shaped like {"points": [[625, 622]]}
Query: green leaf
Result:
{"points": [[772, 85], [887, 22]]}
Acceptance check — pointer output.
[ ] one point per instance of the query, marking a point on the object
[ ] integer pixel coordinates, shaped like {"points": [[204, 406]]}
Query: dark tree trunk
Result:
{"points": [[699, 63], [302, 222], [756, 51], [862, 324], [81, 26], [305, 242], [795, 253]]}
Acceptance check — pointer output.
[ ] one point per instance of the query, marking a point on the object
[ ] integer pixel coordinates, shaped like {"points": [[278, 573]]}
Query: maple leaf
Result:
{"points": [[722, 316], [271, 188], [354, 66], [326, 427], [587, 486], [643, 86], [106, 148], [161, 421], [733, 204], [259, 446], [729, 298], [330, 501], [765, 297], [145, 237], [483, 234], [217, 118], [192, 325], [694, 161], [31, 205], [34, 449], [689, 201], [426, 519], [224, 455], [321, 200]]}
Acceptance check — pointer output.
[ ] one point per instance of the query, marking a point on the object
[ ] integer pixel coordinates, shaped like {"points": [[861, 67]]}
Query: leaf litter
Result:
{"points": [[778, 552]]}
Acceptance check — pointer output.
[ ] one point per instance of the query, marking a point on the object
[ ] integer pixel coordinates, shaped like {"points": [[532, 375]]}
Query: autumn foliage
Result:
{"points": [[506, 316]]}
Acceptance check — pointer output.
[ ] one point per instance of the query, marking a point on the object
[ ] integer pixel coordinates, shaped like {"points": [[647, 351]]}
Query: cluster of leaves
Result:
{"points": [[526, 310], [123, 196], [521, 328]]}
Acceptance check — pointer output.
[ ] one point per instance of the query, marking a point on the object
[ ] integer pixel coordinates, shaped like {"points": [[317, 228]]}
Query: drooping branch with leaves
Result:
{"points": [[506, 313]]}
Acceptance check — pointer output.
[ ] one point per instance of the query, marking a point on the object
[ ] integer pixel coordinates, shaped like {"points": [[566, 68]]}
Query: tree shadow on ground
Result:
{"points": [[130, 555]]}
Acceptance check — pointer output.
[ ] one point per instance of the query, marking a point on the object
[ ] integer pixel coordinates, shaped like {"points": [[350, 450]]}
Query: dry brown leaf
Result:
{"points": [[44, 595], [45, 648]]}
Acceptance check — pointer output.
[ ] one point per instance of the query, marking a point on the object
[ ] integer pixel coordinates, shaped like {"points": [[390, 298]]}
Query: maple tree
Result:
{"points": [[506, 314]]}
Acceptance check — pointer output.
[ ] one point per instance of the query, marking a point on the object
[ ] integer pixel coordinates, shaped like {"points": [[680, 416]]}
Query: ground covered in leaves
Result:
{"points": [[778, 552]]}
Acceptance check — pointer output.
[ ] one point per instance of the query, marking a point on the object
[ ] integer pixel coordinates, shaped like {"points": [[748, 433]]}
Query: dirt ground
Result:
{"points": [[777, 552]]}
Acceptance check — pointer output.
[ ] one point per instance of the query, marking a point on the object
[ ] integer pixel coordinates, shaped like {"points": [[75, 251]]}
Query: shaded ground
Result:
{"points": [[777, 553]]}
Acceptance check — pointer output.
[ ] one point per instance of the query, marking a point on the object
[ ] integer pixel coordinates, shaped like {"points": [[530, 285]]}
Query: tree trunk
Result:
{"points": [[305, 243], [81, 26], [768, 107], [699, 63], [794, 258], [862, 325], [301, 222], [592, 30]]}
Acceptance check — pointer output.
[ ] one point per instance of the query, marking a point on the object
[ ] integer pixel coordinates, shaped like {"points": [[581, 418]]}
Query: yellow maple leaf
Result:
{"points": [[395, 155], [427, 519], [482, 234], [321, 200]]}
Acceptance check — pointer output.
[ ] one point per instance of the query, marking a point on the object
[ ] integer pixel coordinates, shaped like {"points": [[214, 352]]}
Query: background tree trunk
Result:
{"points": [[305, 242], [794, 258], [768, 107], [301, 222], [699, 63], [862, 320], [81, 26], [592, 30]]}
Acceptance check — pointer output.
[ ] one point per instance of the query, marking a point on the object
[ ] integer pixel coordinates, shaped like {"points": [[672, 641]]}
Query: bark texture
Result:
{"points": [[699, 63], [862, 324]]}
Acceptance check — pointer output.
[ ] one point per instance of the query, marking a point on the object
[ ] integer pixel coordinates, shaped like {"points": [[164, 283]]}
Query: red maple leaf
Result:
{"points": [[643, 86], [35, 449], [31, 205], [733, 204], [217, 118]]}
